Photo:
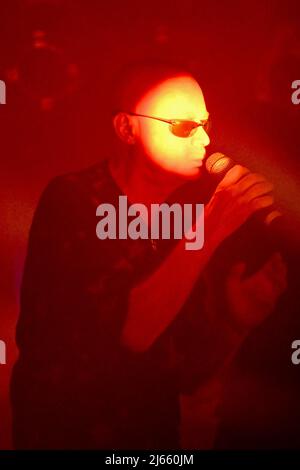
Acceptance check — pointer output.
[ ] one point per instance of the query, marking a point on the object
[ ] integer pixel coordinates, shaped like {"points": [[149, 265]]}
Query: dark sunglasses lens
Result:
{"points": [[183, 128], [207, 126]]}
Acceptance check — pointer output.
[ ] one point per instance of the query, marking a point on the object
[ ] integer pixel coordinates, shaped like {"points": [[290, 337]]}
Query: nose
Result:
{"points": [[200, 137]]}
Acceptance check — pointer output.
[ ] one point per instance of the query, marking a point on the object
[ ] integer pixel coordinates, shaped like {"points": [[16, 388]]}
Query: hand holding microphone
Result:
{"points": [[239, 194], [252, 286]]}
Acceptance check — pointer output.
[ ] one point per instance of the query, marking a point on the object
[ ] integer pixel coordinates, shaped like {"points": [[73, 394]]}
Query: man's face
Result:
{"points": [[175, 98]]}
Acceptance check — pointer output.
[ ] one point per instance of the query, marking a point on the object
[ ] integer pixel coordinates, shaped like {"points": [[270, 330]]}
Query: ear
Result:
{"points": [[125, 128]]}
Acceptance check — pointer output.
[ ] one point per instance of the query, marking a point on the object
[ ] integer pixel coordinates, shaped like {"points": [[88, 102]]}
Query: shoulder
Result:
{"points": [[80, 189], [85, 182], [70, 200]]}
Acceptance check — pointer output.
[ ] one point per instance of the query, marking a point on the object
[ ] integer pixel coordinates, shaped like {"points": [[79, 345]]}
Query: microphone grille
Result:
{"points": [[217, 163]]}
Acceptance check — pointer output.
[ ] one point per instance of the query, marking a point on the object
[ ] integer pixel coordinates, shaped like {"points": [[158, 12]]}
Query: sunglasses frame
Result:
{"points": [[173, 122]]}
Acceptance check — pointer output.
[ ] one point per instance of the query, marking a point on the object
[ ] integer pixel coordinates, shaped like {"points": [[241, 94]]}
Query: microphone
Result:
{"points": [[218, 164]]}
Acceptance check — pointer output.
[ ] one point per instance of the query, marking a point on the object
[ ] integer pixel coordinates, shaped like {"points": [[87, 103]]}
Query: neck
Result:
{"points": [[141, 182]]}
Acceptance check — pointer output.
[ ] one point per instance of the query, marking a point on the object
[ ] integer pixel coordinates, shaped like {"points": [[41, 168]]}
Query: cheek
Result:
{"points": [[162, 144]]}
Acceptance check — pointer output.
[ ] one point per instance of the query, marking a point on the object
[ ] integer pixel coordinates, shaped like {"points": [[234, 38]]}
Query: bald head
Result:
{"points": [[166, 94], [135, 80]]}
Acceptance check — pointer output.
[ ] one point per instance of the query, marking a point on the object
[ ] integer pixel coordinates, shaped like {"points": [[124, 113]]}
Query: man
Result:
{"points": [[112, 331]]}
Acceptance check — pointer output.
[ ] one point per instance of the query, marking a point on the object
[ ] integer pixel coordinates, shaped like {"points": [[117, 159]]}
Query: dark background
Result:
{"points": [[58, 58]]}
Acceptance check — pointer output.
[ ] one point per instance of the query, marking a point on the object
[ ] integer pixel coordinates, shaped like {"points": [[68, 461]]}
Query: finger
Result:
{"points": [[256, 204], [261, 202], [233, 176], [251, 179], [271, 216], [259, 189]]}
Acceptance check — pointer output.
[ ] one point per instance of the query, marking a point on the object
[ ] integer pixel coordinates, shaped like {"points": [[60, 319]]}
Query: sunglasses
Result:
{"points": [[180, 127]]}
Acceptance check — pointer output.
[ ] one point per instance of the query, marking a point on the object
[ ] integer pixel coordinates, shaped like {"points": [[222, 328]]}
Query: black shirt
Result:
{"points": [[74, 384]]}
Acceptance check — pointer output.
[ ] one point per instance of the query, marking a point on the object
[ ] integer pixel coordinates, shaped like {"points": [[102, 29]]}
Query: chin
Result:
{"points": [[185, 174], [192, 173]]}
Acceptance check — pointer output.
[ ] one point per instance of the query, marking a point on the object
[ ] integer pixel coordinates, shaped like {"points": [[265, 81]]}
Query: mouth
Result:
{"points": [[198, 159]]}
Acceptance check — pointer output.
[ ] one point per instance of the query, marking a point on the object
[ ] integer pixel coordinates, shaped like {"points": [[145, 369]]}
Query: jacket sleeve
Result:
{"points": [[69, 374], [43, 386]]}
